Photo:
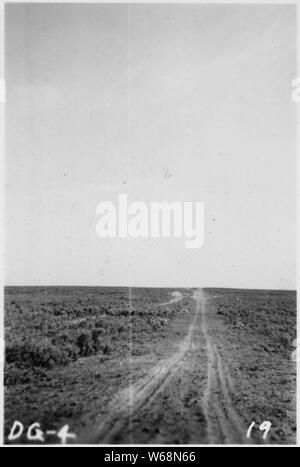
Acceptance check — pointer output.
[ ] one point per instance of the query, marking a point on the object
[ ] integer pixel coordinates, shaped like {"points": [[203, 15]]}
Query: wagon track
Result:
{"points": [[128, 402], [223, 423]]}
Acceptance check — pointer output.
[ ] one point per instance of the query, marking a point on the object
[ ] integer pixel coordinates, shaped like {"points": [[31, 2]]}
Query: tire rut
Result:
{"points": [[129, 401], [224, 424]]}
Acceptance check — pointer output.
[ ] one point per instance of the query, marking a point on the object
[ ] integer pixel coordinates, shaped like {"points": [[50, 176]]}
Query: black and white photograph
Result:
{"points": [[150, 215]]}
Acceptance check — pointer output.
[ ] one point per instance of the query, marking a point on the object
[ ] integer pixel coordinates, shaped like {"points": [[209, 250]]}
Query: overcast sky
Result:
{"points": [[164, 102]]}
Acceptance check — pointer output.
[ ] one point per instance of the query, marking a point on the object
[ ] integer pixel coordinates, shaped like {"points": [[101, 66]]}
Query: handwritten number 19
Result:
{"points": [[265, 427]]}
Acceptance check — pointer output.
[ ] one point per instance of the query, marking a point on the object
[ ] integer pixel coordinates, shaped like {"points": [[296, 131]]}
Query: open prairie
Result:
{"points": [[144, 365]]}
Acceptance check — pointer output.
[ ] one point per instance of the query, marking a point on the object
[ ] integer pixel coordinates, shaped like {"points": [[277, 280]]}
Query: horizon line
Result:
{"points": [[153, 287]]}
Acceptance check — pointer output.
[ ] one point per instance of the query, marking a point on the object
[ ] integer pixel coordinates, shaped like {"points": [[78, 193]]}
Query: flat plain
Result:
{"points": [[143, 365]]}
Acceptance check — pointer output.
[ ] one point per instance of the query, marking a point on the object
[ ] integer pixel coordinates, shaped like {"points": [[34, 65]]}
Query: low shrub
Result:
{"points": [[35, 354]]}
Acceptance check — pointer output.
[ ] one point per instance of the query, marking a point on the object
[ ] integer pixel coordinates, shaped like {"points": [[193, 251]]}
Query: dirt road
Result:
{"points": [[177, 296], [186, 397], [224, 425]]}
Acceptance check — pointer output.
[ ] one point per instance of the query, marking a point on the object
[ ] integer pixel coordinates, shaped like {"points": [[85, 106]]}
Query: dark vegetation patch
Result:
{"points": [[51, 327]]}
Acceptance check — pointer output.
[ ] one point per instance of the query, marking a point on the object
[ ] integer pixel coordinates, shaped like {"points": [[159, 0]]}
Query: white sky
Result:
{"points": [[103, 99]]}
